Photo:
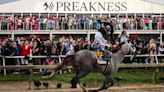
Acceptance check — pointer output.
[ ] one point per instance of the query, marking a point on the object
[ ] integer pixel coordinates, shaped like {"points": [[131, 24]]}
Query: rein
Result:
{"points": [[106, 66]]}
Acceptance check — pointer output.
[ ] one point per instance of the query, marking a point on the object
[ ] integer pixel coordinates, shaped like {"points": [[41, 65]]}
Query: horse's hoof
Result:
{"points": [[84, 85], [112, 84], [74, 87], [92, 91]]}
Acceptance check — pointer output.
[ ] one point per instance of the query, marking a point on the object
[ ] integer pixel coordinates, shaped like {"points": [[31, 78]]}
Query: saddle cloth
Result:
{"points": [[103, 56], [101, 62]]}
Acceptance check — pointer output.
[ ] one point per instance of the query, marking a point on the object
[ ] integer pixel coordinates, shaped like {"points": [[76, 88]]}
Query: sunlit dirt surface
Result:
{"points": [[23, 87]]}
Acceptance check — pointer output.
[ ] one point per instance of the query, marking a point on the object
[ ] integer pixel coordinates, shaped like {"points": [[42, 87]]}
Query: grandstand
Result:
{"points": [[47, 19], [29, 15], [71, 9], [38, 34]]}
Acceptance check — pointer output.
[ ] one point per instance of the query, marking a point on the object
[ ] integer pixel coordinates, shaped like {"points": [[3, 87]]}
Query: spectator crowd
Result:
{"points": [[35, 46], [79, 23]]}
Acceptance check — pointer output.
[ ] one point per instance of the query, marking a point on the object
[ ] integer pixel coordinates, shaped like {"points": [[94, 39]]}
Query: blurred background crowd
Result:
{"points": [[79, 22], [34, 46]]}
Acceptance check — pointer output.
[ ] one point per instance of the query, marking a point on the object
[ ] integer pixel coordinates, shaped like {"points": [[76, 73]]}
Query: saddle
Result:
{"points": [[103, 56]]}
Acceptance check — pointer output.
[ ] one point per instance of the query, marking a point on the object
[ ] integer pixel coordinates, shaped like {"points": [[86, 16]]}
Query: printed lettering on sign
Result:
{"points": [[85, 6]]}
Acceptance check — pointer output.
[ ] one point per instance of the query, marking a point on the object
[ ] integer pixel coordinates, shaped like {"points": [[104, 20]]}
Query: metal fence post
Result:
{"points": [[30, 78], [156, 59], [51, 35], [12, 35], [161, 38], [4, 64], [88, 35], [60, 62]]}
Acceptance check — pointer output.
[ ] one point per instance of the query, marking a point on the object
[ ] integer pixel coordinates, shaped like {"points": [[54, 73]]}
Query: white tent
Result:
{"points": [[81, 6]]}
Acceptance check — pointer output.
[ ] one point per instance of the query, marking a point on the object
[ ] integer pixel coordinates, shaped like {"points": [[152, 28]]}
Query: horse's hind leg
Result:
{"points": [[76, 79]]}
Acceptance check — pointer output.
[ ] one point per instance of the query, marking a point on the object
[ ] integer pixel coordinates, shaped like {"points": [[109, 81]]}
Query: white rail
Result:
{"points": [[62, 56], [77, 31]]}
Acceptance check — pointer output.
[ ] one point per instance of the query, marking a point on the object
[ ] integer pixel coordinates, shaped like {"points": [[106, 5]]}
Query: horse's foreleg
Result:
{"points": [[74, 82], [107, 83]]}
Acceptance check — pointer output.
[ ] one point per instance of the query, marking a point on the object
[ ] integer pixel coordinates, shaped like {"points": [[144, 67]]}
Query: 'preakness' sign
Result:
{"points": [[81, 6], [85, 6]]}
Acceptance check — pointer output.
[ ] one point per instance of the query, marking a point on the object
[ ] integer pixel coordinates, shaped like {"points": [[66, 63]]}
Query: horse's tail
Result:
{"points": [[68, 60]]}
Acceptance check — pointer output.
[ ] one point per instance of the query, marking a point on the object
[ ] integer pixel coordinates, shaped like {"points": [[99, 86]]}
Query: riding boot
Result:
{"points": [[107, 55]]}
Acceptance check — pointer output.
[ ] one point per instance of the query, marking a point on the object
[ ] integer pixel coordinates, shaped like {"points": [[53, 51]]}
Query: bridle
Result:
{"points": [[122, 50]]}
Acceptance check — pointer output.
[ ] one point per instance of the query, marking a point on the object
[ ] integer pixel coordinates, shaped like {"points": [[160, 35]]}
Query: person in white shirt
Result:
{"points": [[19, 23], [161, 49], [27, 23], [100, 36]]}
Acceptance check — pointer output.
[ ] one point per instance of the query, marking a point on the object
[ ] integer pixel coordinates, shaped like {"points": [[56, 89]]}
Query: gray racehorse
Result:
{"points": [[85, 61]]}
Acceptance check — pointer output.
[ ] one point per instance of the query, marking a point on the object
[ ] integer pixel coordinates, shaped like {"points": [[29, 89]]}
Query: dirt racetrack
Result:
{"points": [[23, 87]]}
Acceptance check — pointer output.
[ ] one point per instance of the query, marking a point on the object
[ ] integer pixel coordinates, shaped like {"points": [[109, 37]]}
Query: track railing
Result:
{"points": [[62, 56]]}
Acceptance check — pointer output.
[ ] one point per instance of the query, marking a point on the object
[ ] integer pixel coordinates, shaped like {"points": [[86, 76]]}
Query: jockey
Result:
{"points": [[102, 33], [101, 36]]}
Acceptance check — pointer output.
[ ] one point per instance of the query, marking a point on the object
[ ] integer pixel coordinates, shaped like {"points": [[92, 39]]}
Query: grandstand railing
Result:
{"points": [[78, 25], [62, 56], [9, 32]]}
